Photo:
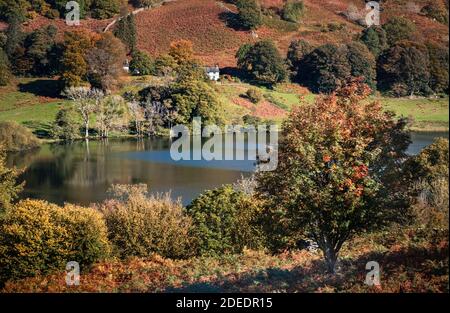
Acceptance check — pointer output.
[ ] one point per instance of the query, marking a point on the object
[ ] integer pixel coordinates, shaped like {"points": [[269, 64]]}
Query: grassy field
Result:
{"points": [[34, 103]]}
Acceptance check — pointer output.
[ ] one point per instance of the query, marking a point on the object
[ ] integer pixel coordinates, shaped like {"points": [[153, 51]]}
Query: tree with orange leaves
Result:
{"points": [[182, 51], [331, 182]]}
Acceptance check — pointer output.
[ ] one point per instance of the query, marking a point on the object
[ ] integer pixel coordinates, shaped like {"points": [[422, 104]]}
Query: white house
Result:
{"points": [[126, 66], [213, 73]]}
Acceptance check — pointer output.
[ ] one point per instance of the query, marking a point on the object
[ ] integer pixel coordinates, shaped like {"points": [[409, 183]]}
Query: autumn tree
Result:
{"points": [[249, 13], [181, 51], [404, 69], [74, 66], [9, 187], [263, 62], [328, 184], [86, 101], [105, 61]]}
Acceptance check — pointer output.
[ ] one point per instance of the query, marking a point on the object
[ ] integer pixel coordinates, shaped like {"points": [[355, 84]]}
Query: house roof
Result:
{"points": [[214, 69]]}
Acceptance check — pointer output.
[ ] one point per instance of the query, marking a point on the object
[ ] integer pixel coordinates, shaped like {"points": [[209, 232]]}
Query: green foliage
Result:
{"points": [[141, 64], [5, 72], [374, 38], [103, 9], [225, 221], [263, 62], [196, 98], [141, 225], [249, 13], [362, 63], [325, 69], [66, 126], [297, 51], [13, 9], [37, 238], [293, 10], [430, 164], [15, 137], [9, 188], [41, 53], [404, 69], [254, 95], [125, 30], [437, 11], [398, 29], [332, 160], [439, 78]]}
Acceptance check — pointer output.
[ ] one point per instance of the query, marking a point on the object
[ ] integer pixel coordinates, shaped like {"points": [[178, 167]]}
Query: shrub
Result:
{"points": [[293, 10], [37, 237], [250, 14], [66, 126], [9, 188], [398, 29], [141, 64], [437, 11], [225, 221], [254, 95], [15, 137], [5, 72], [140, 224]]}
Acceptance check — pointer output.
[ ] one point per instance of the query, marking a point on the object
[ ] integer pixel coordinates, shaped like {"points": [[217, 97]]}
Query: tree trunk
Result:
{"points": [[86, 126], [330, 259]]}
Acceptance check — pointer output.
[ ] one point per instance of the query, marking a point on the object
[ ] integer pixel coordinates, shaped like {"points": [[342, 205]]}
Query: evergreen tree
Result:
{"points": [[362, 63], [374, 38]]}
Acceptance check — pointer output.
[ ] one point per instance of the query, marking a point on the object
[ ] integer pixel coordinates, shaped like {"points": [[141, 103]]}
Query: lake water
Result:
{"points": [[81, 173]]}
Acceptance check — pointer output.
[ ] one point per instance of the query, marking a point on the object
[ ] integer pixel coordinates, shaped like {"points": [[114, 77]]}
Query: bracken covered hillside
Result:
{"points": [[209, 25]]}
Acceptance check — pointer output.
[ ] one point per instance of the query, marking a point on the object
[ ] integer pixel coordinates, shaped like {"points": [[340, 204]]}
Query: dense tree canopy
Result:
{"points": [[398, 29], [263, 62], [327, 186], [404, 69], [5, 72], [362, 63], [374, 38], [325, 69], [249, 13]]}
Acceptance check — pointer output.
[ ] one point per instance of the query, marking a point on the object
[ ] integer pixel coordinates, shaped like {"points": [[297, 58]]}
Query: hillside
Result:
{"points": [[209, 25]]}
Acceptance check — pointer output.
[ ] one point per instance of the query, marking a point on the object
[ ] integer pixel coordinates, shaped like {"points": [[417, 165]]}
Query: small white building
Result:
{"points": [[213, 73], [126, 66]]}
